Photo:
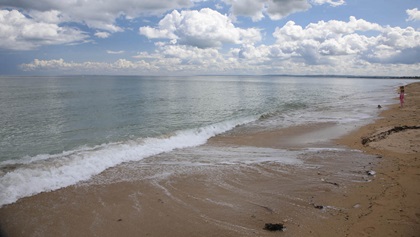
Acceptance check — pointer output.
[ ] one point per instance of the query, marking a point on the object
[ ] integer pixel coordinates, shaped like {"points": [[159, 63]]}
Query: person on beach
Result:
{"points": [[402, 96]]}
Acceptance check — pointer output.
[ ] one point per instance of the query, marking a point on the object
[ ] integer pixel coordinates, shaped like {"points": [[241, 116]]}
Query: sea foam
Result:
{"points": [[43, 173]]}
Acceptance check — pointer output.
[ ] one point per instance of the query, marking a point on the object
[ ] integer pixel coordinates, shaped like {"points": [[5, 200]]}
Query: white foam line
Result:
{"points": [[45, 173]]}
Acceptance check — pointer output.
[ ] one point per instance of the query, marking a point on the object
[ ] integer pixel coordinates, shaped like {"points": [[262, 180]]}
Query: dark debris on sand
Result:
{"points": [[383, 135], [274, 227]]}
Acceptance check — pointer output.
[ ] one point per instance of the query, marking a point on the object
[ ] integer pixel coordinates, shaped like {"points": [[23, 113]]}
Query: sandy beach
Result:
{"points": [[390, 203], [337, 187]]}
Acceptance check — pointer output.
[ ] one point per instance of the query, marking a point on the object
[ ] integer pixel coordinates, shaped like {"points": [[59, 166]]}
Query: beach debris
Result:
{"points": [[383, 135], [119, 220], [318, 206], [328, 182], [334, 183], [274, 227], [370, 173]]}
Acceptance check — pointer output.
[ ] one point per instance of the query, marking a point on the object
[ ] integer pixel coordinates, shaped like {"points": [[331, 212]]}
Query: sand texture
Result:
{"points": [[391, 202], [328, 188]]}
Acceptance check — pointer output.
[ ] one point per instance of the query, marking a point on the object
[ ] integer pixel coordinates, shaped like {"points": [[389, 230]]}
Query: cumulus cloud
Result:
{"points": [[350, 47], [100, 14], [275, 9], [413, 14], [48, 16], [318, 42], [335, 44], [323, 30], [395, 45], [203, 29], [278, 9], [250, 8], [19, 32]]}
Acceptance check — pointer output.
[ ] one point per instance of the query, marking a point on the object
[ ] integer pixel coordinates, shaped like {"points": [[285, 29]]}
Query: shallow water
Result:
{"points": [[58, 131]]}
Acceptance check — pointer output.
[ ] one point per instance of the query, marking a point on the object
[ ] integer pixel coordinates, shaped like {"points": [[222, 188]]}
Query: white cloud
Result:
{"points": [[100, 14], [19, 32], [323, 30], [400, 38], [318, 42], [395, 45], [115, 52], [52, 16], [183, 59], [278, 9], [86, 67], [275, 9], [102, 34], [156, 64], [203, 29], [413, 14], [250, 8], [326, 42], [168, 59], [354, 47], [333, 3], [96, 14]]}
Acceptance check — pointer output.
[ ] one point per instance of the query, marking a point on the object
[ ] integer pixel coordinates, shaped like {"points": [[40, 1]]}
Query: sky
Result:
{"points": [[210, 37]]}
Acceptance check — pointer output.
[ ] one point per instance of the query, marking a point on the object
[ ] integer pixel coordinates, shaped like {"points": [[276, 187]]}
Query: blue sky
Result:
{"points": [[195, 37]]}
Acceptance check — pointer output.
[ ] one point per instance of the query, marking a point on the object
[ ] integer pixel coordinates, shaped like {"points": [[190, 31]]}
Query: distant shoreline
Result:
{"points": [[350, 76], [222, 75]]}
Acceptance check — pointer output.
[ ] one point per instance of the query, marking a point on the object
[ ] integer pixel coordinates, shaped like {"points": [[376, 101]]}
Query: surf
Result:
{"points": [[43, 173]]}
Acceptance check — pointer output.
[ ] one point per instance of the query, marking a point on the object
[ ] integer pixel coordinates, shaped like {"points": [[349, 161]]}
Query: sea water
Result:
{"points": [[58, 131]]}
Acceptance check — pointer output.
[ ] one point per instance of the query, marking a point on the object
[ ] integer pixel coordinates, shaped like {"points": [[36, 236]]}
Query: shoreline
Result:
{"points": [[390, 202], [329, 194]]}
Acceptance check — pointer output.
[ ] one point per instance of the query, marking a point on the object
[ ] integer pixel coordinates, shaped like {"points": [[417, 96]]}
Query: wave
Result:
{"points": [[43, 173]]}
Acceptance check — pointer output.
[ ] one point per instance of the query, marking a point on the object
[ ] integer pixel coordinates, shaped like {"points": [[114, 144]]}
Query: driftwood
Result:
{"points": [[383, 135]]}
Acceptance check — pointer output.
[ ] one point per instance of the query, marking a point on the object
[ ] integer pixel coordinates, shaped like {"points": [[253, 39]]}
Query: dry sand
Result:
{"points": [[328, 194]]}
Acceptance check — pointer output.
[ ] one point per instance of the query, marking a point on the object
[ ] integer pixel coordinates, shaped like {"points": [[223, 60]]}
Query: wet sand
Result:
{"points": [[325, 191], [390, 204]]}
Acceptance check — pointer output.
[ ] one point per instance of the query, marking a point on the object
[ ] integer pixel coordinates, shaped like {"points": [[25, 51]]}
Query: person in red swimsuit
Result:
{"points": [[402, 96]]}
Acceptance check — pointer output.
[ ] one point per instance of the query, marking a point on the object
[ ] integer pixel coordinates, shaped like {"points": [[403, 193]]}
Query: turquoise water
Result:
{"points": [[70, 128]]}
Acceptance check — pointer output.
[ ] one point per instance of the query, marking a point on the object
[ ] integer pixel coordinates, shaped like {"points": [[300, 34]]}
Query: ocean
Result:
{"points": [[60, 131]]}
